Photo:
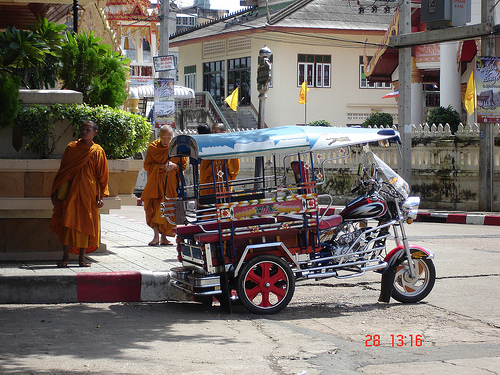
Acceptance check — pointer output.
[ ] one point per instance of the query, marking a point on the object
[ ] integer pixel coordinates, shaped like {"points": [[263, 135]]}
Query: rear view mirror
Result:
{"points": [[360, 169], [373, 170]]}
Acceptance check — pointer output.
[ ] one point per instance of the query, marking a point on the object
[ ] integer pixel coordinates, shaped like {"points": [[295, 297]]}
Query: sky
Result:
{"points": [[231, 5]]}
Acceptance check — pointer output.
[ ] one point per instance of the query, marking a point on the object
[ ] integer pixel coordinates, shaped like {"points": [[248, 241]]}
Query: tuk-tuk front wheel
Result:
{"points": [[265, 284]]}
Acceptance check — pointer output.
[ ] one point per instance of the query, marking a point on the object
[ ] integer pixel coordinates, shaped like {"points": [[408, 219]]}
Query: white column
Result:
{"points": [[417, 94], [449, 82], [138, 48]]}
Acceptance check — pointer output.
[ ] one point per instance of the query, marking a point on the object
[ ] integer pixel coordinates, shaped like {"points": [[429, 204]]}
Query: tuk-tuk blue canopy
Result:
{"points": [[277, 140]]}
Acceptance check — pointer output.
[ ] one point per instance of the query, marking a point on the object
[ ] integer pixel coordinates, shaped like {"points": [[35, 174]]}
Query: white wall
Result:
{"points": [[281, 106]]}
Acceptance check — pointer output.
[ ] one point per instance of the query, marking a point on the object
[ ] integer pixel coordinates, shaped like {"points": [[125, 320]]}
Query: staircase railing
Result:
{"points": [[203, 99]]}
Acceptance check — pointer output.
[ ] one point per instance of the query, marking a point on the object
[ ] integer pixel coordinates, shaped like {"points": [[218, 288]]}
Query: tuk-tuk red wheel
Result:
{"points": [[265, 284]]}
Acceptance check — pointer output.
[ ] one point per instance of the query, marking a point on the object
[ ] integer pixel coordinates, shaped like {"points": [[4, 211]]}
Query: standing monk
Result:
{"points": [[219, 168], [77, 191], [157, 164]]}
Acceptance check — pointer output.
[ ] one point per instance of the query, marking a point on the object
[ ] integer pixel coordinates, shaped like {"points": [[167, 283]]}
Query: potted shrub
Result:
{"points": [[121, 134]]}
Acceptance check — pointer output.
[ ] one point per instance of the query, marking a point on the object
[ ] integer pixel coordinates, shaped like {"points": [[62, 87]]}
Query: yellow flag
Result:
{"points": [[303, 93], [232, 100], [470, 102]]}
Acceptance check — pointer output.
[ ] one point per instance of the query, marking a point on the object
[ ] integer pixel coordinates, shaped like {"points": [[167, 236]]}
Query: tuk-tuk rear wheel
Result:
{"points": [[265, 284]]}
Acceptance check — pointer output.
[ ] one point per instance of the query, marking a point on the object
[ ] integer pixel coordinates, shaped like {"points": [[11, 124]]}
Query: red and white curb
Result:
{"points": [[123, 286], [476, 219]]}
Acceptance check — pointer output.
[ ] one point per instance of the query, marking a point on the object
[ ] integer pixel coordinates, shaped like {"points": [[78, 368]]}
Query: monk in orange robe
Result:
{"points": [[77, 192], [157, 164], [219, 167]]}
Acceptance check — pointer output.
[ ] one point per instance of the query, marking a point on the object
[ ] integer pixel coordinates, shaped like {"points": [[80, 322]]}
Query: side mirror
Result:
{"points": [[360, 169], [373, 170]]}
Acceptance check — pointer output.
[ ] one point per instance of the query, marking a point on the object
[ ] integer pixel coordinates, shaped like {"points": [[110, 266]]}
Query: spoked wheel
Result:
{"points": [[265, 284], [408, 290]]}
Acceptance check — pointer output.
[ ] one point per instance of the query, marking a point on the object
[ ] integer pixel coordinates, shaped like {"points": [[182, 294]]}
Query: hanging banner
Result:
{"points": [[164, 107], [488, 89]]}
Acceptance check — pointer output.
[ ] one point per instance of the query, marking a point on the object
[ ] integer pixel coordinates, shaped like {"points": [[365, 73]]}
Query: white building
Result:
{"points": [[320, 41]]}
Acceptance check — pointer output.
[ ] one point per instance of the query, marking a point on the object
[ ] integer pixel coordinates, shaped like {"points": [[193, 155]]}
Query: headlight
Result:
{"points": [[410, 206]]}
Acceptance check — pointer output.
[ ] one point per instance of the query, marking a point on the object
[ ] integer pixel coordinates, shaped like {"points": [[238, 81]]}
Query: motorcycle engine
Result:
{"points": [[345, 241]]}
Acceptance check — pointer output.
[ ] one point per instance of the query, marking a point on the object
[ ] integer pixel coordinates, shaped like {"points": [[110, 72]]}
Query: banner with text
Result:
{"points": [[488, 89], [164, 102]]}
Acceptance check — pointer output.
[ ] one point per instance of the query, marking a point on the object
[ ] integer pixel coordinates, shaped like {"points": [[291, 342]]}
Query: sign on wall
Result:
{"points": [[164, 107], [488, 89], [163, 63]]}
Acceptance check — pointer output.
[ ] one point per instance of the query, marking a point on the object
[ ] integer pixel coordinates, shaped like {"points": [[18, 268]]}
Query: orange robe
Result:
{"points": [[76, 218], [153, 193], [206, 175]]}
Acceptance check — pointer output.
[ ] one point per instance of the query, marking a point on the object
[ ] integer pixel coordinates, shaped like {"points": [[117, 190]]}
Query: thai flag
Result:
{"points": [[391, 94]]}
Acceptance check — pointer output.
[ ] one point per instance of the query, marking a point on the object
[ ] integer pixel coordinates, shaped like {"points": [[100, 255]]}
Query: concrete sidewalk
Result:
{"points": [[128, 270]]}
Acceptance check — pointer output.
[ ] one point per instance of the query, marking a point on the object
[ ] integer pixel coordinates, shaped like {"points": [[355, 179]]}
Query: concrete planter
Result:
{"points": [[26, 209]]}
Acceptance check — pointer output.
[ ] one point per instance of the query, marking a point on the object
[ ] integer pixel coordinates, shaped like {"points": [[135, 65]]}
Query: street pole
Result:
{"points": [[404, 101], [75, 16], [263, 79], [486, 136], [164, 33]]}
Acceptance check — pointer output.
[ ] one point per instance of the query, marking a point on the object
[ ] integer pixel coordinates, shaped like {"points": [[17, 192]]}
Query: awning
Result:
{"points": [[147, 90]]}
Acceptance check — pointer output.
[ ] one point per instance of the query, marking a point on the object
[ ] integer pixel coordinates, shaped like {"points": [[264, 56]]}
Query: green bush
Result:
{"points": [[379, 119], [319, 123], [37, 123], [121, 134], [90, 67], [441, 115], [9, 97]]}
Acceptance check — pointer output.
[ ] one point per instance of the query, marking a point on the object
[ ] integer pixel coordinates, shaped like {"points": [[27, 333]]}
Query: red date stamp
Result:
{"points": [[395, 340]]}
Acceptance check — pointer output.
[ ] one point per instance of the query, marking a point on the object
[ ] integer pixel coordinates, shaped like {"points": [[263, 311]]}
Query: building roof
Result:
{"points": [[308, 15]]}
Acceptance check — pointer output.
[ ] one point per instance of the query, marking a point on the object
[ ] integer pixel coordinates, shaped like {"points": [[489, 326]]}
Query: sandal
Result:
{"points": [[62, 264], [84, 264], [167, 243], [152, 243]]}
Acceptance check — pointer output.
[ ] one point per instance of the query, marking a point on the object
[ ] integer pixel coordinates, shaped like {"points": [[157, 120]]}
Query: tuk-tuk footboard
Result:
{"points": [[195, 284]]}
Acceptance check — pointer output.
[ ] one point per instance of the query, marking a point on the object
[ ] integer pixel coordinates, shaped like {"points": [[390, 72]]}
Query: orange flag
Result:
{"points": [[303, 93]]}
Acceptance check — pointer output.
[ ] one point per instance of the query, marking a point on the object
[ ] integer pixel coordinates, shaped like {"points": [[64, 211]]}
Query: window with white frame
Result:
{"points": [[190, 77], [314, 69], [363, 81]]}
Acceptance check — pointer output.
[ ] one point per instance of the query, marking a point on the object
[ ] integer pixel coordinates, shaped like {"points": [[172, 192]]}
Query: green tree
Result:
{"points": [[21, 50], [32, 54], [90, 67], [379, 118], [441, 115], [45, 75], [9, 97]]}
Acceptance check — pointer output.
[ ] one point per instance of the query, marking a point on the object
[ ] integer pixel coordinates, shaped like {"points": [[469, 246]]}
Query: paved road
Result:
{"points": [[325, 329]]}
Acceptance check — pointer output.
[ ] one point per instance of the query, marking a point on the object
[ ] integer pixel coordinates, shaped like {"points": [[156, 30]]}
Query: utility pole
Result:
{"points": [[164, 34], [486, 136], [404, 101]]}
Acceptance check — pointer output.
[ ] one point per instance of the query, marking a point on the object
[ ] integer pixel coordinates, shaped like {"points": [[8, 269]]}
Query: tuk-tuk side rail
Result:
{"points": [[268, 207], [213, 227], [320, 180], [226, 234]]}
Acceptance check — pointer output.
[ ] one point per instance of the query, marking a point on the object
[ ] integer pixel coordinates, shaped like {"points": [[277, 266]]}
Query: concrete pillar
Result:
{"points": [[138, 48], [449, 82], [417, 94]]}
